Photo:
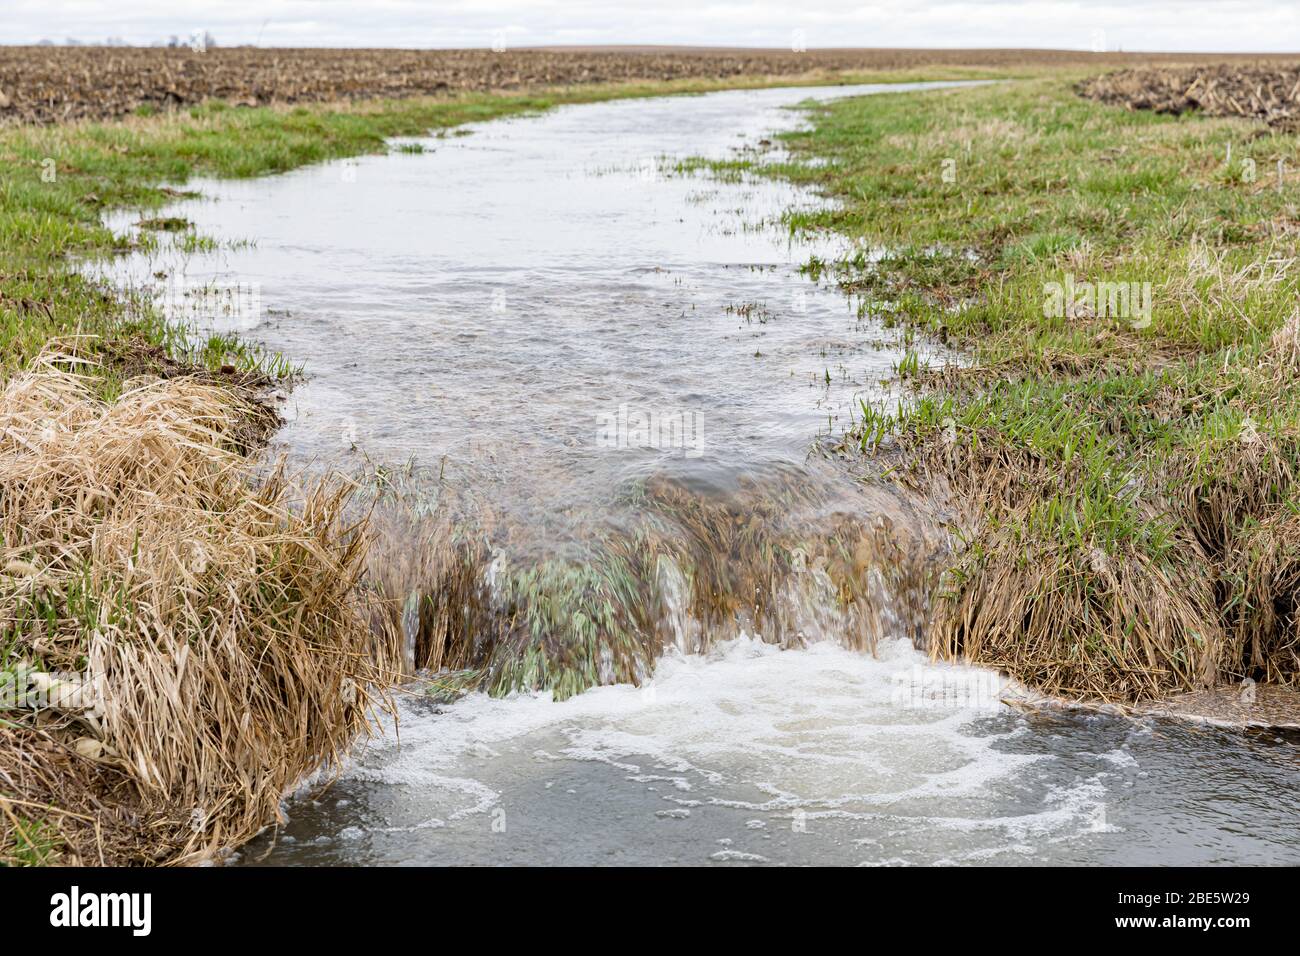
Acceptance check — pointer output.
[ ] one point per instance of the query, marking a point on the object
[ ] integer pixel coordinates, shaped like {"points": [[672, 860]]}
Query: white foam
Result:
{"points": [[737, 856], [748, 726], [811, 754]]}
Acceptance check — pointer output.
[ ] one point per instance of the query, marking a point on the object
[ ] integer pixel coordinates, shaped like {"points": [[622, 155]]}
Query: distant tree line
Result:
{"points": [[198, 40]]}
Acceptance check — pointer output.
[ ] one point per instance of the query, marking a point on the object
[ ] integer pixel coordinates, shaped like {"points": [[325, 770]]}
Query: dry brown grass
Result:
{"points": [[206, 616], [1084, 624], [1124, 623], [1070, 621], [1265, 618]]}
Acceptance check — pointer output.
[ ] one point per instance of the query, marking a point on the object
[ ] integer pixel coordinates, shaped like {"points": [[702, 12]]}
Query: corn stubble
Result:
{"points": [[208, 614], [55, 84], [1270, 93]]}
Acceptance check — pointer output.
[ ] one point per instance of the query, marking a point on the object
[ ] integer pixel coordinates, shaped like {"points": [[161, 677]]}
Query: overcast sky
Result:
{"points": [[1217, 25]]}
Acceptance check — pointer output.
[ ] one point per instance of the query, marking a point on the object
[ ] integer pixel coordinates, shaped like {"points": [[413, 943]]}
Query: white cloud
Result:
{"points": [[1211, 25]]}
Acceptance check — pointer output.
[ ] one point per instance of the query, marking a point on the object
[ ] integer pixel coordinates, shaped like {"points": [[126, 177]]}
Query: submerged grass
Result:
{"points": [[1122, 448], [776, 556]]}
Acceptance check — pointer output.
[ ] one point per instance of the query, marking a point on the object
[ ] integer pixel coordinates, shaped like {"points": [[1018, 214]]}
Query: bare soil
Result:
{"points": [[54, 84], [1267, 92]]}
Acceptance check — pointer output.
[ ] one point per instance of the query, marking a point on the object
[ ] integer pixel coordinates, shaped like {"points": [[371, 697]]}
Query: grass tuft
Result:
{"points": [[175, 627]]}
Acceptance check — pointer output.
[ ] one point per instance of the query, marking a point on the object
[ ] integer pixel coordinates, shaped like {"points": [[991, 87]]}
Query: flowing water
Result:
{"points": [[585, 391]]}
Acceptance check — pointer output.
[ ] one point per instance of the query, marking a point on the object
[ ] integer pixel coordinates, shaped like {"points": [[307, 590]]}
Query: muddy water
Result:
{"points": [[583, 390]]}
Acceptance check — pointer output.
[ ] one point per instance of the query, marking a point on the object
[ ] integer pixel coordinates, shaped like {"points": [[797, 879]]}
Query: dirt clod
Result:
{"points": [[1266, 92]]}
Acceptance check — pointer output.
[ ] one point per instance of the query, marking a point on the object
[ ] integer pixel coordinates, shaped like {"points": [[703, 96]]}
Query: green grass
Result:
{"points": [[34, 843], [1162, 434], [1035, 200]]}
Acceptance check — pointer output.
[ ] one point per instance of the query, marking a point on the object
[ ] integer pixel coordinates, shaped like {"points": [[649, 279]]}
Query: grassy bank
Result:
{"points": [[1121, 451], [179, 639]]}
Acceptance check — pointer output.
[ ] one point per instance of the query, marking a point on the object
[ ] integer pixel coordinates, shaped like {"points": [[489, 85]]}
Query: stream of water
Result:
{"points": [[580, 366]]}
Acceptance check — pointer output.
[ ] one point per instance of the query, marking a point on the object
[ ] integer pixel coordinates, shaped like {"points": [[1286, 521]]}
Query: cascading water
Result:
{"points": [[584, 397]]}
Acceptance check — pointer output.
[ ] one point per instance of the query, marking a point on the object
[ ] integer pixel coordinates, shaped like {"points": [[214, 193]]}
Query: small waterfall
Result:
{"points": [[790, 556]]}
